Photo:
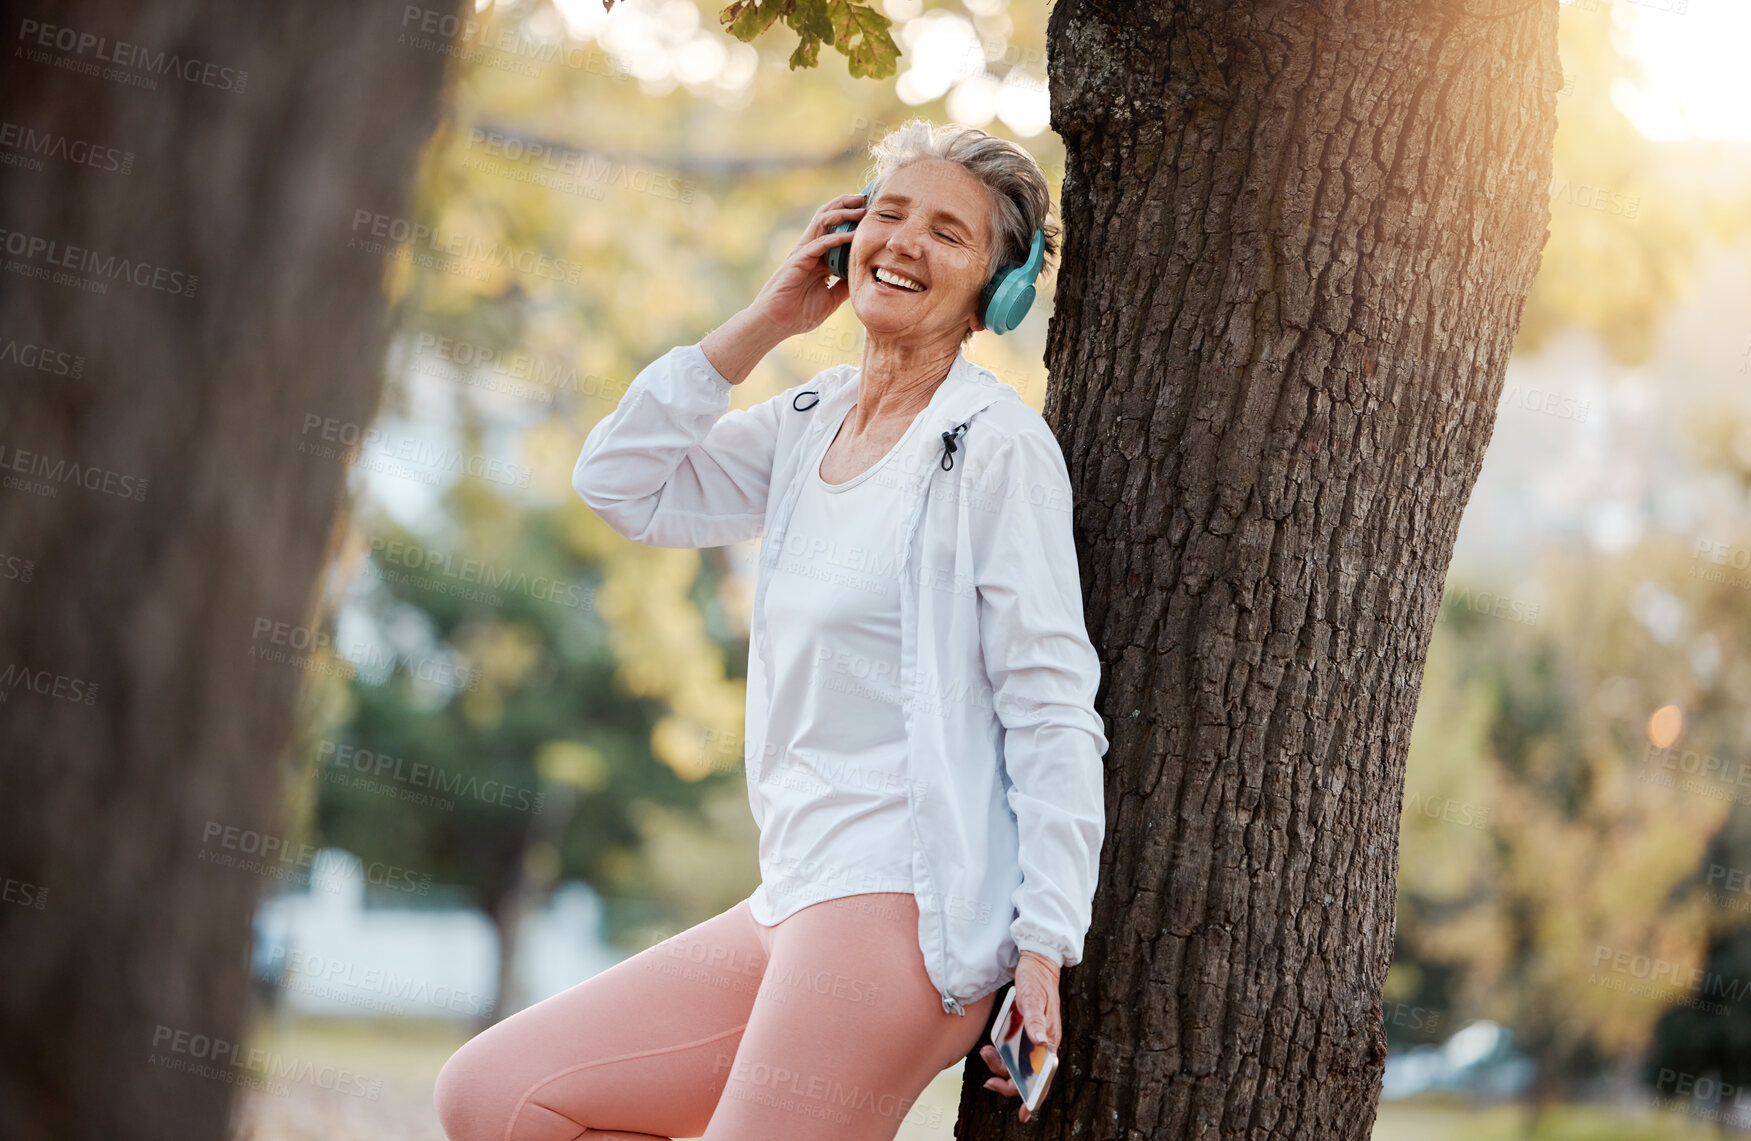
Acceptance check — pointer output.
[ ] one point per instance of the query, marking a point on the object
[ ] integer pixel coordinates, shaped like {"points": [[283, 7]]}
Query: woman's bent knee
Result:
{"points": [[475, 1099]]}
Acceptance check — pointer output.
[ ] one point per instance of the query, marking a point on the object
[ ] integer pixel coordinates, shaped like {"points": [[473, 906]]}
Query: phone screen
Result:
{"points": [[1031, 1064]]}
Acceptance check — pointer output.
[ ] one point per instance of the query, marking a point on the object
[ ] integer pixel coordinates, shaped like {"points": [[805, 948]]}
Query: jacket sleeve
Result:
{"points": [[669, 467], [1044, 673]]}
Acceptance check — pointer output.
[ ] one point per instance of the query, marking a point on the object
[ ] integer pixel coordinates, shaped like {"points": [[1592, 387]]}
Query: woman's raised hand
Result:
{"points": [[796, 298]]}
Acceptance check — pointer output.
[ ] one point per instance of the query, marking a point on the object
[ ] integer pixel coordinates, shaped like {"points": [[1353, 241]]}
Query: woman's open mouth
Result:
{"points": [[879, 274]]}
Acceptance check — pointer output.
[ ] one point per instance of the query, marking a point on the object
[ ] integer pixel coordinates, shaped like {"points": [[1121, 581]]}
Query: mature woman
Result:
{"points": [[923, 756]]}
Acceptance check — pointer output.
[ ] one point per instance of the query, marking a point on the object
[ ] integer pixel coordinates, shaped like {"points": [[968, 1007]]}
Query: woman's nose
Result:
{"points": [[907, 242]]}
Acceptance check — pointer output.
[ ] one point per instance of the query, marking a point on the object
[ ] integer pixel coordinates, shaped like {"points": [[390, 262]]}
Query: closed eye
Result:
{"points": [[891, 217]]}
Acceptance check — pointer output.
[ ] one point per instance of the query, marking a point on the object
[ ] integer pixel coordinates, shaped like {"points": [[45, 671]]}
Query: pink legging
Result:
{"points": [[825, 1025]]}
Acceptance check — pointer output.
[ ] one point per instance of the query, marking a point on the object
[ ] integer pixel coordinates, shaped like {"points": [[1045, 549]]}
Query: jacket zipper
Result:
{"points": [[950, 1004]]}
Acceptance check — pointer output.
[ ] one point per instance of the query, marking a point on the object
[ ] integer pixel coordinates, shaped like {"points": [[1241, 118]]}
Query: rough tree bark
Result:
{"points": [[132, 715], [1298, 240]]}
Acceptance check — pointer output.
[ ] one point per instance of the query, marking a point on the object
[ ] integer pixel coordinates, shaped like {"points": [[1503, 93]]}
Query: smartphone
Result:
{"points": [[1030, 1064]]}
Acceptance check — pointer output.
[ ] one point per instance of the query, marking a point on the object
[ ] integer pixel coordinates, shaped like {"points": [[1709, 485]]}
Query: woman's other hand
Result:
{"points": [[796, 298], [1036, 996]]}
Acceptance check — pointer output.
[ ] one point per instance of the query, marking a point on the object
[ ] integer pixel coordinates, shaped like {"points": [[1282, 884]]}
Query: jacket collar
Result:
{"points": [[967, 390]]}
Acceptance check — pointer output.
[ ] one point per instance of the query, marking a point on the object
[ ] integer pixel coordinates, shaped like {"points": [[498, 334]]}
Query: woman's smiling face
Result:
{"points": [[930, 224]]}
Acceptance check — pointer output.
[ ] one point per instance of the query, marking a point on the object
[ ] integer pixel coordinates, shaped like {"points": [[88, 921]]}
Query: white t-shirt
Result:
{"points": [[837, 820]]}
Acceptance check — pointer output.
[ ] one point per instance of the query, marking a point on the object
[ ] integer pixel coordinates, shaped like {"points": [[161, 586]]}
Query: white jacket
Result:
{"points": [[997, 671]]}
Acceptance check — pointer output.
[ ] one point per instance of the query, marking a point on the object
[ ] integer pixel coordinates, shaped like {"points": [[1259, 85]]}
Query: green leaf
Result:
{"points": [[809, 18], [857, 30], [747, 20], [861, 33], [807, 53]]}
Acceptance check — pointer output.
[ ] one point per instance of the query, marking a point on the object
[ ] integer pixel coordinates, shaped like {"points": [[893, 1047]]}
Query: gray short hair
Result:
{"points": [[1021, 197]]}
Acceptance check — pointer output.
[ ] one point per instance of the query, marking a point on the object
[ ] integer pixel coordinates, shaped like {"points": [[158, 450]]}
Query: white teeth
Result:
{"points": [[893, 278]]}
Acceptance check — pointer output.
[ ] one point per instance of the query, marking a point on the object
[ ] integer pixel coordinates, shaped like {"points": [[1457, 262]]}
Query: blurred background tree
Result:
{"points": [[179, 186]]}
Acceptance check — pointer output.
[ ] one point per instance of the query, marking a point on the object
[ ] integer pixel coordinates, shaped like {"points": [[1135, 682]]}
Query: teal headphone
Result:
{"points": [[1004, 300]]}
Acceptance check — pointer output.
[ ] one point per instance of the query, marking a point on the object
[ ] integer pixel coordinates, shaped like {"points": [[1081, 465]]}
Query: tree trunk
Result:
{"points": [[507, 916], [530, 890], [225, 151], [1298, 241]]}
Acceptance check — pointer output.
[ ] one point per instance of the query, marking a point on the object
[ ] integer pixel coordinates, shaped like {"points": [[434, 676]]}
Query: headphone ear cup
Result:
{"points": [[1010, 294], [1019, 303], [987, 299], [838, 258], [1009, 300]]}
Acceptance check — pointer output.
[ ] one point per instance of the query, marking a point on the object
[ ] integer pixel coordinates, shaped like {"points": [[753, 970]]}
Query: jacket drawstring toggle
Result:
{"points": [[948, 443]]}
